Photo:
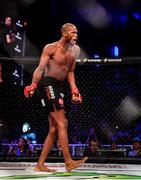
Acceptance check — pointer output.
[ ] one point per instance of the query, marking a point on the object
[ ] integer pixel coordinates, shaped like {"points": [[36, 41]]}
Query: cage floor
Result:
{"points": [[25, 170]]}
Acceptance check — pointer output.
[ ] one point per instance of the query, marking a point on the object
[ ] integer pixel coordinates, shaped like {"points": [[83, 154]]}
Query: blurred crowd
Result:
{"points": [[120, 144]]}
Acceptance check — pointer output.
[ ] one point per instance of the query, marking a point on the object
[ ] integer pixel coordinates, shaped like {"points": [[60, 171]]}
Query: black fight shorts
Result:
{"points": [[51, 93]]}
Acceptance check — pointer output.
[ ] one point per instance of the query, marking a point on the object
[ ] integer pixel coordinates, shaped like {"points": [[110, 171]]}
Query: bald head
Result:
{"points": [[66, 27]]}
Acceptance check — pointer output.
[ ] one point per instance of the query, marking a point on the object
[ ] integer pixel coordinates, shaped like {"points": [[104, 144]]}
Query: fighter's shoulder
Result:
{"points": [[49, 48], [76, 50], [50, 45], [76, 47]]}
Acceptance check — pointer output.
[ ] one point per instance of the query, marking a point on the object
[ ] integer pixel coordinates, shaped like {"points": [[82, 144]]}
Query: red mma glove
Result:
{"points": [[29, 90], [76, 96]]}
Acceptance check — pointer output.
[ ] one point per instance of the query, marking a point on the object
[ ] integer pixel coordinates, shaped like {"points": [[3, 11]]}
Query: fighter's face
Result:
{"points": [[72, 35]]}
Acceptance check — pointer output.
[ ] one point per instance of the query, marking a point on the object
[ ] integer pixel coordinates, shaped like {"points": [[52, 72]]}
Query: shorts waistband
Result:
{"points": [[51, 80]]}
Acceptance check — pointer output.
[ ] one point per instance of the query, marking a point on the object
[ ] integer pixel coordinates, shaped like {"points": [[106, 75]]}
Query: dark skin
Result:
{"points": [[58, 60]]}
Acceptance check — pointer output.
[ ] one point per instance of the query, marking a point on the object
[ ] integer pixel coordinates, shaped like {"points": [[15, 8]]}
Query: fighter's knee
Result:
{"points": [[53, 130], [63, 124]]}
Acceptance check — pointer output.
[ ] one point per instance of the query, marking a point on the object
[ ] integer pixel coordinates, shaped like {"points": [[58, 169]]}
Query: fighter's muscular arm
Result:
{"points": [[71, 76], [42, 64], [76, 97], [29, 90]]}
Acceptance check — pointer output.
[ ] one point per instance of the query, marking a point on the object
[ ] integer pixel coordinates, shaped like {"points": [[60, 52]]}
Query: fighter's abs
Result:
{"points": [[58, 72]]}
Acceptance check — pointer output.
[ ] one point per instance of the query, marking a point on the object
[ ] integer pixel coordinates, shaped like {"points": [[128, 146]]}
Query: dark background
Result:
{"points": [[111, 103], [101, 24]]}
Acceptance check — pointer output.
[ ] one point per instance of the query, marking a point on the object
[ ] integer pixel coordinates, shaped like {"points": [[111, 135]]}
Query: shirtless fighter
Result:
{"points": [[57, 63]]}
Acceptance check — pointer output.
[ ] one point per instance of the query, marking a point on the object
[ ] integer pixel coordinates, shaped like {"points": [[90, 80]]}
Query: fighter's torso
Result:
{"points": [[60, 62]]}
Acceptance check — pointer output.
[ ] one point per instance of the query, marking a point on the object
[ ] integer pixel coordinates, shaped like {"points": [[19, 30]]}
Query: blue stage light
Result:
{"points": [[136, 15], [115, 51]]}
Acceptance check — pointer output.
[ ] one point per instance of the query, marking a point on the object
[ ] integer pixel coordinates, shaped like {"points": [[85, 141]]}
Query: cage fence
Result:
{"points": [[111, 102]]}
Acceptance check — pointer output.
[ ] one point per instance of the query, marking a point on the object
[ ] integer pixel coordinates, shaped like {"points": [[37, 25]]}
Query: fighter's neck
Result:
{"points": [[65, 45]]}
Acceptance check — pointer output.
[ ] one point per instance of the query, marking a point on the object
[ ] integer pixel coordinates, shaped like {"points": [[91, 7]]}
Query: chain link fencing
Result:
{"points": [[111, 102]]}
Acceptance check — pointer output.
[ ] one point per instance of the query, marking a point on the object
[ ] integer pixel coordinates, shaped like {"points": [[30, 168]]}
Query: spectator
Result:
{"points": [[93, 148], [113, 145], [91, 134], [136, 149], [21, 150], [137, 130], [7, 40], [123, 136], [8, 37], [28, 134]]}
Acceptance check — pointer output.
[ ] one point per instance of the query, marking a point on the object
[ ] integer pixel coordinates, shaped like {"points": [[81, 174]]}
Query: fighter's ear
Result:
{"points": [[65, 34]]}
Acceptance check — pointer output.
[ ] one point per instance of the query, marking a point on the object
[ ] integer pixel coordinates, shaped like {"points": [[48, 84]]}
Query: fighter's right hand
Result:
{"points": [[76, 96], [29, 90]]}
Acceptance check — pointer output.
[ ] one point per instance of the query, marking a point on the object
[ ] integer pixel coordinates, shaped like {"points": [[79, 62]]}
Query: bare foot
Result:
{"points": [[75, 164], [1, 80], [43, 169]]}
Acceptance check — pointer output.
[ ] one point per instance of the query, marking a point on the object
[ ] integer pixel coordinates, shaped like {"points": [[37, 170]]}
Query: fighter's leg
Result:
{"points": [[47, 146], [62, 124]]}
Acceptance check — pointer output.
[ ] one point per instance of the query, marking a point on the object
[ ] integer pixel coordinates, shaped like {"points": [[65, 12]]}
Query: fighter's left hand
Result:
{"points": [[76, 98]]}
